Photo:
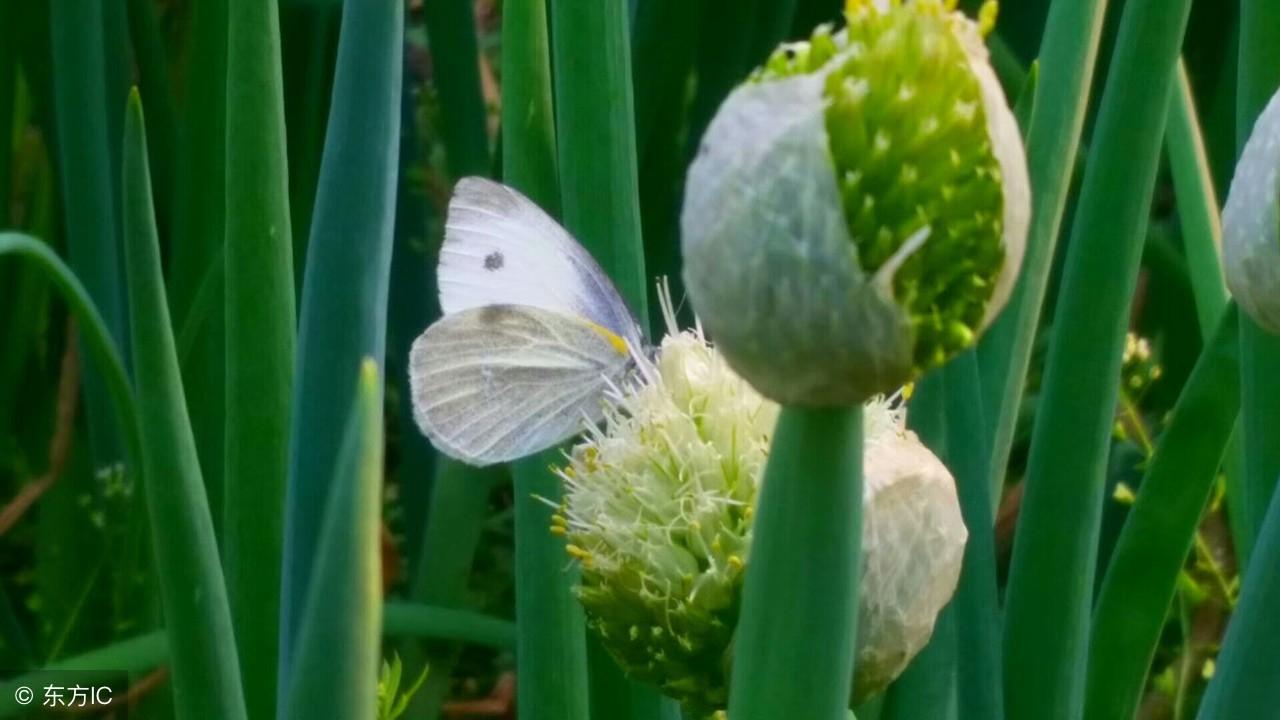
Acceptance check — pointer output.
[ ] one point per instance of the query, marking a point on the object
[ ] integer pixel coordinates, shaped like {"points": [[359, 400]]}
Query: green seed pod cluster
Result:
{"points": [[858, 209], [658, 512], [1251, 223]]}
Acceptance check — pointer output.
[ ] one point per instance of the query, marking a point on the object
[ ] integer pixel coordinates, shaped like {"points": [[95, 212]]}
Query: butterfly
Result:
{"points": [[532, 335]]}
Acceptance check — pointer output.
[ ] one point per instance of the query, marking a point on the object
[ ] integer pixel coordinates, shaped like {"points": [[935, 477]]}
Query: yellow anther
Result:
{"points": [[736, 563], [987, 17]]}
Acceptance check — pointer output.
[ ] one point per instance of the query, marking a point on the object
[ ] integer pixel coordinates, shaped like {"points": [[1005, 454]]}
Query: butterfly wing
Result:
{"points": [[500, 382], [502, 249]]}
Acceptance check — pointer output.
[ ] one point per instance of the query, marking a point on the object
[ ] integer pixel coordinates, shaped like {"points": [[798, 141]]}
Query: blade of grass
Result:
{"points": [[344, 605], [1259, 76], [442, 623], [976, 606], [206, 675], [1051, 577], [344, 294], [80, 87], [197, 245], [451, 28], [260, 318], [94, 331], [794, 650], [1067, 59], [1142, 576], [550, 629], [1246, 679]]}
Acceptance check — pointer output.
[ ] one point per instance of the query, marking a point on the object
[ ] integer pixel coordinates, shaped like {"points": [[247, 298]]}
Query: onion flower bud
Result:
{"points": [[857, 211], [1251, 223], [658, 512]]}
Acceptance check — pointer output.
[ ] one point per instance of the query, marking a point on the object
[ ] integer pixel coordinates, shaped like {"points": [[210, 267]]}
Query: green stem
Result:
{"points": [[794, 650], [1050, 584], [1067, 59], [551, 640], [1161, 527]]}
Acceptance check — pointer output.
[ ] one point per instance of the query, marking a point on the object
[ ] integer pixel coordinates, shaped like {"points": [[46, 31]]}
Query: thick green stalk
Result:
{"points": [[1051, 577], [1142, 576], [451, 27], [344, 295], [794, 650], [260, 318], [550, 640], [976, 605], [336, 668], [1246, 680], [197, 245], [84, 149], [1067, 59], [1259, 76], [595, 124], [206, 675]]}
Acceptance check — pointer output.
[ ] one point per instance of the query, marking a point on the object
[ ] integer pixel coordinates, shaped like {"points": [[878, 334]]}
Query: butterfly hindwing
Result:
{"points": [[500, 382]]}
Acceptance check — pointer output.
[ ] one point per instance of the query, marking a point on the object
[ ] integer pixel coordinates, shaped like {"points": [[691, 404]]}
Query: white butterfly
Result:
{"points": [[532, 336]]}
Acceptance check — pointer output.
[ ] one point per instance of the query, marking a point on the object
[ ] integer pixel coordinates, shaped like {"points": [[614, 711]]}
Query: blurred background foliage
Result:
{"points": [[75, 567]]}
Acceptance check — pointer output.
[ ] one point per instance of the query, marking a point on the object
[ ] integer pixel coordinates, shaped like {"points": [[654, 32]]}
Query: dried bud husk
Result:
{"points": [[857, 211], [658, 511], [1251, 223]]}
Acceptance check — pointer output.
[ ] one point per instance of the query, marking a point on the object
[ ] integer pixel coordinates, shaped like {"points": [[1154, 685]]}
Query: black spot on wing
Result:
{"points": [[494, 261]]}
